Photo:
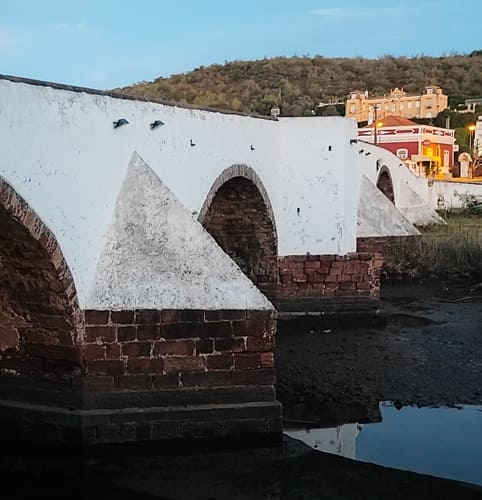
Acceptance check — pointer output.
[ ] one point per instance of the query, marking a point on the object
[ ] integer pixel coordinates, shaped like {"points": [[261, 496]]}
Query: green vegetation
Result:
{"points": [[451, 252], [459, 122], [298, 84]]}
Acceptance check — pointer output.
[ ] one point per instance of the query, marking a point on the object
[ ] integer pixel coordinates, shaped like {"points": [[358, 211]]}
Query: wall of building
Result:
{"points": [[72, 169], [435, 143], [360, 107], [478, 136], [446, 195]]}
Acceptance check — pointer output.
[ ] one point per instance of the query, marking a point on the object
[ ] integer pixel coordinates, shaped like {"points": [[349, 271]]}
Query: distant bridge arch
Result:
{"points": [[385, 183]]}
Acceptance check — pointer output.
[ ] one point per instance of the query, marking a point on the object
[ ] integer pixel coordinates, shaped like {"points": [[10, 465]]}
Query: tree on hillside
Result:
{"points": [[298, 84]]}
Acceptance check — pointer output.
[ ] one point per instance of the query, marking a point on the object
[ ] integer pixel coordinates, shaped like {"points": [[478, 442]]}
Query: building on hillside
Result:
{"points": [[472, 104], [425, 149], [477, 139], [364, 109]]}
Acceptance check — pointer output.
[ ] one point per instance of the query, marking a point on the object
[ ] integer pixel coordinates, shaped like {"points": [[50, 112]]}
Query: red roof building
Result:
{"points": [[424, 148]]}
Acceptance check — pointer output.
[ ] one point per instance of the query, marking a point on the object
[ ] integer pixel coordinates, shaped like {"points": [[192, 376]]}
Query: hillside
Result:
{"points": [[298, 84]]}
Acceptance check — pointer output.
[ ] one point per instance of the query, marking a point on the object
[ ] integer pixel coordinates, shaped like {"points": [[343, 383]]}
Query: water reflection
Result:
{"points": [[336, 440], [443, 442]]}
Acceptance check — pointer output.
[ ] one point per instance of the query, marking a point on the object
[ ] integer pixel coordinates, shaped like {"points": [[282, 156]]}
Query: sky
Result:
{"points": [[107, 44]]}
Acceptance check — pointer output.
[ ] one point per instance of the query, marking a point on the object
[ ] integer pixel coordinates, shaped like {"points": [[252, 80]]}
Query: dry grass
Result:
{"points": [[452, 251]]}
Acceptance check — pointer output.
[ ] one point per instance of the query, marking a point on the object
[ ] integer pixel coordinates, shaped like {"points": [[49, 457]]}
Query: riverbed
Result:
{"points": [[428, 355]]}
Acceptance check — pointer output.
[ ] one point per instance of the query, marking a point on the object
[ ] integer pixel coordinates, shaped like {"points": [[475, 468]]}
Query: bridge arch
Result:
{"points": [[238, 214], [40, 319], [385, 183]]}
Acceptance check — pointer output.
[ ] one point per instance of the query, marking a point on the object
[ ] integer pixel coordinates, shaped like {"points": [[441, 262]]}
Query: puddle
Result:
{"points": [[443, 442]]}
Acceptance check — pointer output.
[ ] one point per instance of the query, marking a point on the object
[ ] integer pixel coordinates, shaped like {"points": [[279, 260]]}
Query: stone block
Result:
{"points": [[174, 347]]}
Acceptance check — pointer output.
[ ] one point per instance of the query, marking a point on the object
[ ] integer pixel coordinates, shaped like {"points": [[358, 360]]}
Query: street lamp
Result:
{"points": [[376, 123], [471, 136], [377, 126]]}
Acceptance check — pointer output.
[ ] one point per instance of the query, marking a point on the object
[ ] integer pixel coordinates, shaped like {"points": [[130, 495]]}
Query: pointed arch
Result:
{"points": [[385, 183], [238, 214]]}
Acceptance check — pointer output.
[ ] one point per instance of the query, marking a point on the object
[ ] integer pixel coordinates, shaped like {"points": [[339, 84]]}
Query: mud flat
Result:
{"points": [[429, 354]]}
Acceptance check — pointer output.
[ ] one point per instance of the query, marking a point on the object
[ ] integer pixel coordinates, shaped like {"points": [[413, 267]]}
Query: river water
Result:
{"points": [[442, 442]]}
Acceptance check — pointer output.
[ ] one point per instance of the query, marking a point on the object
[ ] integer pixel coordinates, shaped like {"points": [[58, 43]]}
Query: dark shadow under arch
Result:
{"points": [[385, 184], [40, 319], [238, 214]]}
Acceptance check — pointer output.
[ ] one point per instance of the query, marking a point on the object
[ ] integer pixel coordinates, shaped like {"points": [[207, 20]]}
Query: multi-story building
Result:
{"points": [[425, 149], [477, 138], [364, 109], [472, 104]]}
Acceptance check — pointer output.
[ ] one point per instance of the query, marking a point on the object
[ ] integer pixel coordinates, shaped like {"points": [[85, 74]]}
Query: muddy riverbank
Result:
{"points": [[430, 353], [291, 472]]}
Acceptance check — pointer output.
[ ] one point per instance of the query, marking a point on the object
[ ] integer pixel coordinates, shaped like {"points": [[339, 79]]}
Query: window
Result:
{"points": [[352, 108], [394, 107], [401, 106], [402, 153], [428, 114], [417, 104], [409, 104], [446, 158]]}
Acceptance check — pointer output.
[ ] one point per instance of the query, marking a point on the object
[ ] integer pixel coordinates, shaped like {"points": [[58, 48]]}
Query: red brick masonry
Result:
{"points": [[327, 276], [392, 249], [176, 349], [147, 375]]}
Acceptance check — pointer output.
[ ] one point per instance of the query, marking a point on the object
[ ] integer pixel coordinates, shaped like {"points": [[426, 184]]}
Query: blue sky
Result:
{"points": [[106, 43]]}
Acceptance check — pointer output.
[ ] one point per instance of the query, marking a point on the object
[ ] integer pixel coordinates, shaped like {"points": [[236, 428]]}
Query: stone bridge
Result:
{"points": [[145, 250], [415, 197]]}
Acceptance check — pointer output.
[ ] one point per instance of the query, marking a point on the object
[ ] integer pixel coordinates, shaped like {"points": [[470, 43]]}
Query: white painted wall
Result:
{"points": [[378, 216], [445, 194], [60, 151], [317, 175], [157, 256]]}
